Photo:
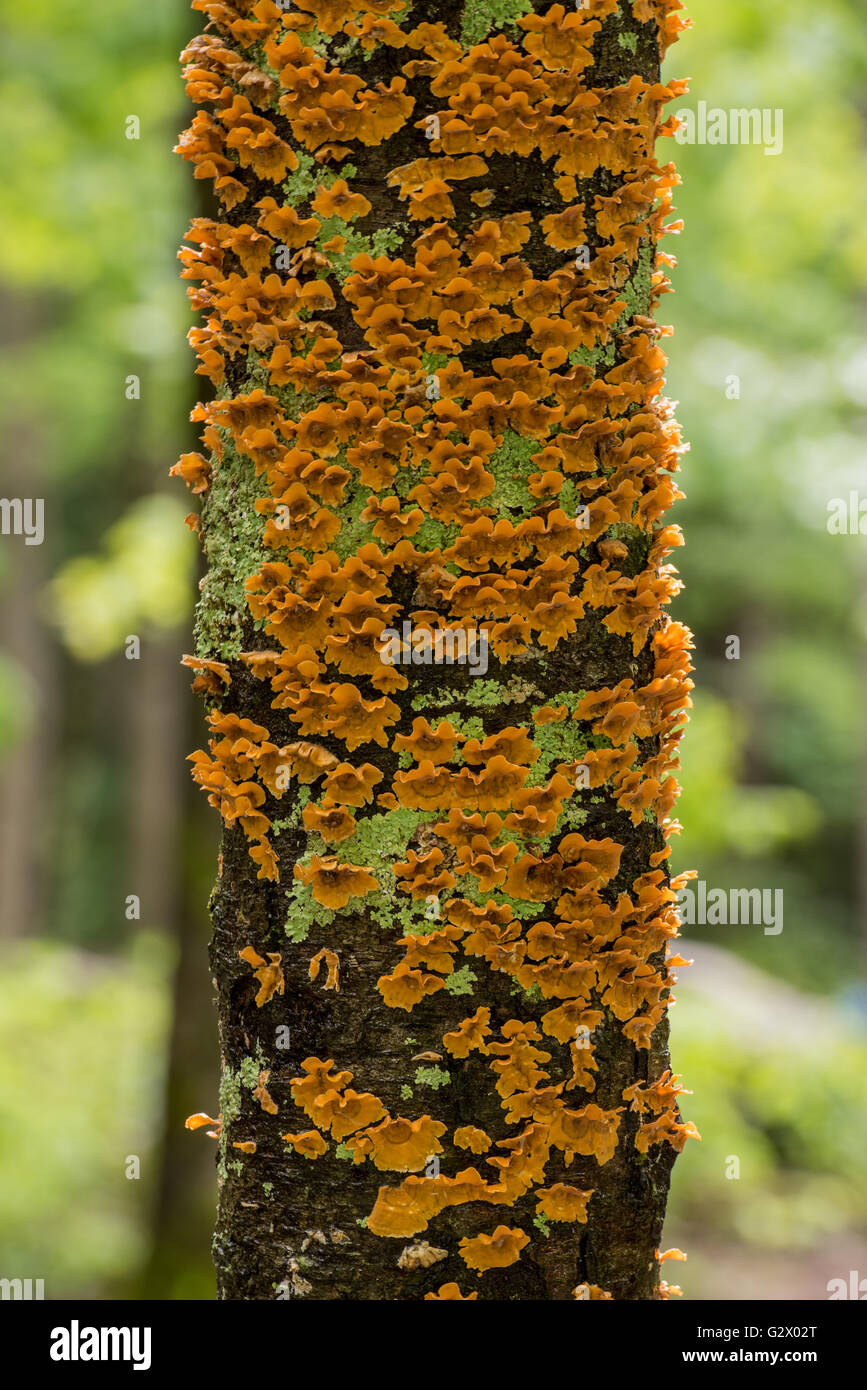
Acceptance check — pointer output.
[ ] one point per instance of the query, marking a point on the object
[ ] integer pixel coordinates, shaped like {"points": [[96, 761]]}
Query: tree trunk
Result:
{"points": [[443, 907]]}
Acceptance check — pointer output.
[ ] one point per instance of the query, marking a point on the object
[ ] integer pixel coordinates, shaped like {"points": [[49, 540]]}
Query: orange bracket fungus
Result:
{"points": [[444, 694]]}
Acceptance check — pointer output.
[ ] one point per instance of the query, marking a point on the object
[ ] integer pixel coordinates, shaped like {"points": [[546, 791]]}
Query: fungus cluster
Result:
{"points": [[391, 384]]}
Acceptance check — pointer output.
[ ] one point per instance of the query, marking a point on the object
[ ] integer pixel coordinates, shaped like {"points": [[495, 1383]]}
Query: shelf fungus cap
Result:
{"points": [[450, 1293], [503, 1247]]}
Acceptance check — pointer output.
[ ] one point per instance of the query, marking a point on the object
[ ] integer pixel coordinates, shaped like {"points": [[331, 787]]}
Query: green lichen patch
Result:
{"points": [[559, 743], [638, 290], [432, 1076], [381, 837], [354, 533], [511, 466], [293, 820], [304, 912], [303, 182], [378, 841], [531, 995], [594, 357], [232, 1082], [315, 39], [481, 16], [461, 981], [234, 549], [433, 361], [435, 535], [482, 694], [379, 243]]}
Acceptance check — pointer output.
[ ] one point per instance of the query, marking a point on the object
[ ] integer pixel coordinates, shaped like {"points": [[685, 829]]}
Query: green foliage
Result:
{"points": [[81, 1070], [778, 1082], [769, 289], [138, 581]]}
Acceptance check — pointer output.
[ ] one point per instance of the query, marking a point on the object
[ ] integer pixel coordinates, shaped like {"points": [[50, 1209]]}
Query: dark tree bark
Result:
{"points": [[438, 403]]}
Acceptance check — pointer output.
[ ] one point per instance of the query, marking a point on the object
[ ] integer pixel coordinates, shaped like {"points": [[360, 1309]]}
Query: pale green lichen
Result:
{"points": [[406, 1092], [565, 742], [629, 41], [461, 981], [472, 727], [377, 842], [483, 694], [435, 535], [293, 820], [638, 290], [532, 994], [409, 917], [382, 241], [594, 357], [542, 1224], [301, 184], [315, 39], [232, 1082], [234, 550], [354, 533], [384, 836], [433, 361], [345, 51], [637, 295], [304, 913], [481, 16], [511, 466], [434, 1077]]}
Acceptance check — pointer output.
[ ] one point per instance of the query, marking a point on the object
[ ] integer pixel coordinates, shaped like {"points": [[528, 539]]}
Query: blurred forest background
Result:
{"points": [[107, 1035]]}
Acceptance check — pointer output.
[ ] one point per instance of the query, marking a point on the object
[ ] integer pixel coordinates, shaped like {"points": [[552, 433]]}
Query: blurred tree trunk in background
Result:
{"points": [[29, 771], [162, 872], [379, 410]]}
